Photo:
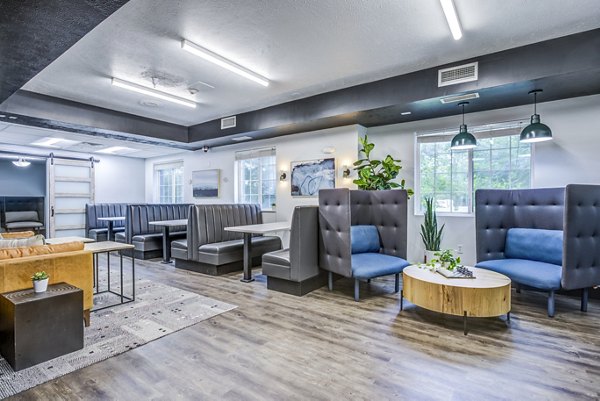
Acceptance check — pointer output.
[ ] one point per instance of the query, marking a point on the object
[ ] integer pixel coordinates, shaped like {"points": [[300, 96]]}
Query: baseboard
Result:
{"points": [[297, 288], [213, 270]]}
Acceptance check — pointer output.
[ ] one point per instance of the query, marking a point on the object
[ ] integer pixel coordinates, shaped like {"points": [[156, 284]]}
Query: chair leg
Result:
{"points": [[551, 304], [397, 284], [518, 287], [369, 281], [584, 299], [330, 281], [356, 290], [86, 318]]}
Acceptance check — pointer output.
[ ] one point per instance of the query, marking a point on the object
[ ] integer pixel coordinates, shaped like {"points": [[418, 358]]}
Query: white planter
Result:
{"points": [[429, 255], [40, 285]]}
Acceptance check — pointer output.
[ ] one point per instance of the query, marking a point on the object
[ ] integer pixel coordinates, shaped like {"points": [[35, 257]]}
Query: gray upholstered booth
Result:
{"points": [[548, 239], [210, 249], [295, 270], [98, 229], [21, 221], [147, 238], [378, 245]]}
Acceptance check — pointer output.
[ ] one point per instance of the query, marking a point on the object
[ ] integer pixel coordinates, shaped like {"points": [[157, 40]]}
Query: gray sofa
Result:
{"points": [[22, 221], [209, 249], [295, 270], [98, 229], [147, 238]]}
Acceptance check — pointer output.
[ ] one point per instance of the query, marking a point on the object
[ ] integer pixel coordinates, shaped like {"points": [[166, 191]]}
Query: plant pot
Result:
{"points": [[429, 255], [40, 285]]}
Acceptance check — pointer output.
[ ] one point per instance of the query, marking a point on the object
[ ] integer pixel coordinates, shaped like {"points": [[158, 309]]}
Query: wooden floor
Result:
{"points": [[324, 346]]}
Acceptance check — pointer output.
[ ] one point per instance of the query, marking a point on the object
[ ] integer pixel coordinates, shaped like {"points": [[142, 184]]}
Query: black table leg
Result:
{"points": [[465, 323], [108, 267], [121, 266], [110, 235], [247, 258], [166, 245]]}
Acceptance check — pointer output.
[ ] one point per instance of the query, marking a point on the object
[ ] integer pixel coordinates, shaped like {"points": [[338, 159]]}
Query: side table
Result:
{"points": [[35, 328]]}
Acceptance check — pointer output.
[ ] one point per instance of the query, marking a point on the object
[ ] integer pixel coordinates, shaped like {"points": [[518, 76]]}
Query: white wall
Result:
{"points": [[304, 146], [572, 157]]}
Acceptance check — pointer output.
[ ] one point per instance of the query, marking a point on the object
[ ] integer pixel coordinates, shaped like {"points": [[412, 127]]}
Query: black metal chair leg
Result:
{"points": [[356, 290], [584, 299], [397, 284], [330, 281], [551, 304]]}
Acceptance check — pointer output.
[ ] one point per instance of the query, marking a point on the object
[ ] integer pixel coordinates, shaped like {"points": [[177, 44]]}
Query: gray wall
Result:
{"points": [[22, 181]]}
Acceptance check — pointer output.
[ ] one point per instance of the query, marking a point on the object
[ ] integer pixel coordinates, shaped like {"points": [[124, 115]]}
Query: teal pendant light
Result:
{"points": [[536, 131], [464, 139]]}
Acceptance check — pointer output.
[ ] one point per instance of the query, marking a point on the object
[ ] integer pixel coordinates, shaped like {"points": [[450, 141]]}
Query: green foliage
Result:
{"points": [[430, 234], [446, 259], [377, 174], [38, 276]]}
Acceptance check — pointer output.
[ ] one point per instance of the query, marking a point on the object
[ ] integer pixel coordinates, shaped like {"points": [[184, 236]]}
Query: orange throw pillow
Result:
{"points": [[17, 235], [13, 253]]}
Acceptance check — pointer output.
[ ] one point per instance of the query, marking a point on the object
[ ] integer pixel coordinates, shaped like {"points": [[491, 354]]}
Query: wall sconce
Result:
{"points": [[283, 175], [346, 171]]}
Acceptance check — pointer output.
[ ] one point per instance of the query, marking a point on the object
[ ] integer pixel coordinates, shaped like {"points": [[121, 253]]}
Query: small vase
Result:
{"points": [[429, 256], [40, 285]]}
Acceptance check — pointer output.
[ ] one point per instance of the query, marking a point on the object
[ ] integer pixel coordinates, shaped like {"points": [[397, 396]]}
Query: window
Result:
{"points": [[168, 182], [256, 177], [500, 161]]}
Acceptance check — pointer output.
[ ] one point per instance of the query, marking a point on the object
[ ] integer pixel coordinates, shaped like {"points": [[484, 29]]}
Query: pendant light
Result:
{"points": [[464, 139], [536, 131]]}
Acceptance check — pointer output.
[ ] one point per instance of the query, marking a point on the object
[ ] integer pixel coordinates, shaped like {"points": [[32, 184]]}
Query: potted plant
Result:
{"points": [[40, 281], [445, 260], [430, 234], [376, 174]]}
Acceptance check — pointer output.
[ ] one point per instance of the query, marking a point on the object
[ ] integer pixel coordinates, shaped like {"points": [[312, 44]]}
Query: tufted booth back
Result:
{"points": [[138, 218], [496, 211], [207, 224], [304, 244], [95, 210], [341, 208]]}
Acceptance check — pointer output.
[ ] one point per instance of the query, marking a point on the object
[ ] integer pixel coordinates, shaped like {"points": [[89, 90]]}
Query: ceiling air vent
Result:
{"points": [[228, 122], [458, 74], [459, 98]]}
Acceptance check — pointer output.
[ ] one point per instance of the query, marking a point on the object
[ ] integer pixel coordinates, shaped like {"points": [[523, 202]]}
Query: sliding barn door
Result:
{"points": [[70, 187]]}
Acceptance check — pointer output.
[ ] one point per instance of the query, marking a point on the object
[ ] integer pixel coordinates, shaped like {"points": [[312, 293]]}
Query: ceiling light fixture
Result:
{"points": [[241, 138], [406, 113], [116, 150], [152, 92], [452, 18], [535, 131], [50, 142], [222, 62], [464, 139], [21, 162]]}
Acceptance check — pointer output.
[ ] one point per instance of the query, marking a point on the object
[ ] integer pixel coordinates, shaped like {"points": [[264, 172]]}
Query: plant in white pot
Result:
{"points": [[40, 281], [430, 234]]}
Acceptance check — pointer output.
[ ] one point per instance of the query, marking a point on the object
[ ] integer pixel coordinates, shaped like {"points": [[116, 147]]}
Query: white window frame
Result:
{"points": [[166, 165], [254, 154], [478, 131]]}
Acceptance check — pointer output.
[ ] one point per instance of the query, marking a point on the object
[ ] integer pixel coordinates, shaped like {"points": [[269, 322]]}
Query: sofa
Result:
{"points": [[68, 263], [23, 220], [295, 270], [209, 249], [98, 229], [363, 234], [146, 238], [544, 239]]}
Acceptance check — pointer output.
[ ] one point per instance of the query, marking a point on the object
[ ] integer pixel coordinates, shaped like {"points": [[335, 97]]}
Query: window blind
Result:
{"points": [[168, 165], [480, 132], [254, 153]]}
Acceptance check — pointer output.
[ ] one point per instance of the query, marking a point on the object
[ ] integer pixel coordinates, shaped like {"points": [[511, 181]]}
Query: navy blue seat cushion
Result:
{"points": [[541, 275], [364, 239], [369, 265], [534, 244]]}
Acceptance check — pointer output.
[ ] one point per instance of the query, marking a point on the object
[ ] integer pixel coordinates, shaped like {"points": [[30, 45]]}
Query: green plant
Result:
{"points": [[430, 234], [377, 174], [446, 259], [38, 276]]}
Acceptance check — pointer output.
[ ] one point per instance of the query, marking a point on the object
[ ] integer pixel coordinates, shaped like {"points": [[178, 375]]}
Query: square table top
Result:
{"points": [[260, 228], [107, 246], [64, 240], [169, 223], [114, 218]]}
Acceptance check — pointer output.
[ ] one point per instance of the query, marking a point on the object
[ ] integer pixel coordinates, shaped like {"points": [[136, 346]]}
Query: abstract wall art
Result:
{"points": [[308, 177]]}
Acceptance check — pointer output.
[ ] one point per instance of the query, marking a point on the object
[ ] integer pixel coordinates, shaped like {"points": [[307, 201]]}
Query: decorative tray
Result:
{"points": [[458, 272]]}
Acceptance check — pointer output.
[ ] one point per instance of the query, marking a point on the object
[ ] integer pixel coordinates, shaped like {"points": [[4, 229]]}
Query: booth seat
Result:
{"points": [[546, 239], [209, 249], [145, 237], [98, 229], [25, 220], [295, 270]]}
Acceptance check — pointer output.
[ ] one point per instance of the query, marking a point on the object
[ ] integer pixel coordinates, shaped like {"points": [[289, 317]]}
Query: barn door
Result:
{"points": [[71, 184]]}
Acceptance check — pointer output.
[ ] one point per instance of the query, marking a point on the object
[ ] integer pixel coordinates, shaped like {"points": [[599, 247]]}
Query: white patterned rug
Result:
{"points": [[158, 310]]}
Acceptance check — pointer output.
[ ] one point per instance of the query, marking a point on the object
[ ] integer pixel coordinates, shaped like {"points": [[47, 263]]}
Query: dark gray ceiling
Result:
{"points": [[33, 33]]}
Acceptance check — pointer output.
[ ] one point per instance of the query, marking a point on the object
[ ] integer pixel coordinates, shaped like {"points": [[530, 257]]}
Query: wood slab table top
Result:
{"points": [[64, 240], [260, 228], [107, 246]]}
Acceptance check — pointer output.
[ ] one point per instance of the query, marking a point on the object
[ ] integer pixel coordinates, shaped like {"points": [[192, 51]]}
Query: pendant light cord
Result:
{"points": [[534, 102], [463, 114]]}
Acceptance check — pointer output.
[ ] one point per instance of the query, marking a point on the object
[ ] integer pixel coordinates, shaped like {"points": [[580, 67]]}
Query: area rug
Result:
{"points": [[158, 310]]}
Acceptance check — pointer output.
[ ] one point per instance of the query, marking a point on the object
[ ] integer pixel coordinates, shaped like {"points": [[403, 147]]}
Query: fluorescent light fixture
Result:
{"points": [[21, 162], [223, 62], [113, 150], [152, 92], [50, 142], [406, 113], [452, 18], [241, 138]]}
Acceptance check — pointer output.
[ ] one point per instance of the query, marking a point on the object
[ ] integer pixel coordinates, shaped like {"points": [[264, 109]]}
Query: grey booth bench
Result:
{"points": [[146, 238], [98, 229], [209, 249]]}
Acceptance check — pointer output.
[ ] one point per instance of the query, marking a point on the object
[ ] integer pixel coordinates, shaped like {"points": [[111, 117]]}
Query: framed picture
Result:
{"points": [[205, 183], [308, 177]]}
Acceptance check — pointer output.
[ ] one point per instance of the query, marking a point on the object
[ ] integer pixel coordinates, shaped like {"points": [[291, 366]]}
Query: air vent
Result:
{"points": [[456, 75], [228, 122], [459, 98]]}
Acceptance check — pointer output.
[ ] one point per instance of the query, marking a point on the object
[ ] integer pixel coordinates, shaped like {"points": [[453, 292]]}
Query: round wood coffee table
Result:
{"points": [[486, 295]]}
